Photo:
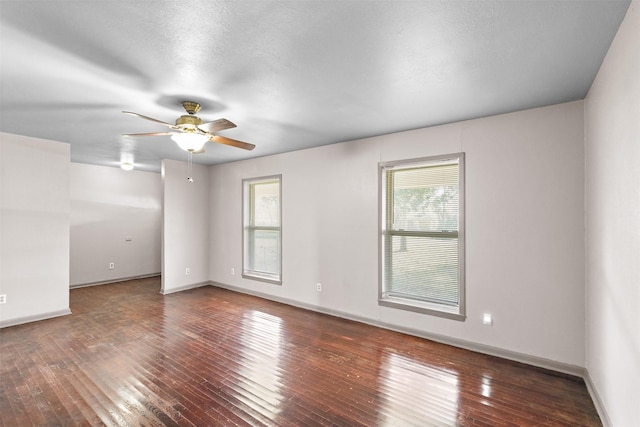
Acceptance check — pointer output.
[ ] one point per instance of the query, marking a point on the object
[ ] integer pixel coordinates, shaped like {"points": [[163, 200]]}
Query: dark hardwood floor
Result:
{"points": [[210, 357]]}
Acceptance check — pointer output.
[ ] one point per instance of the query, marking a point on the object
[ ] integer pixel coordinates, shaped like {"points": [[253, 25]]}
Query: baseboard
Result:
{"points": [[597, 401], [118, 280], [564, 368], [34, 318], [186, 287], [527, 359]]}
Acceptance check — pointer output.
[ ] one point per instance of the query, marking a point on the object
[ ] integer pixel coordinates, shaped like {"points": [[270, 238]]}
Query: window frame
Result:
{"points": [[248, 216], [455, 312]]}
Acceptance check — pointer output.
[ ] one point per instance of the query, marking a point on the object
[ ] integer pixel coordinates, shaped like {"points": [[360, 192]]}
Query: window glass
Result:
{"points": [[422, 229], [262, 232]]}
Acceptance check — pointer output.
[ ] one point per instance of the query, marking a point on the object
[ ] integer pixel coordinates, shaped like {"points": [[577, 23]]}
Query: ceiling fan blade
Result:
{"points": [[232, 142], [151, 119], [216, 125], [131, 135]]}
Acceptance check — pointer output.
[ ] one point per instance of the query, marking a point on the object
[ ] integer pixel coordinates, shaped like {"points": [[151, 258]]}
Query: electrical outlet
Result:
{"points": [[112, 265], [319, 287], [233, 271], [3, 298], [187, 271]]}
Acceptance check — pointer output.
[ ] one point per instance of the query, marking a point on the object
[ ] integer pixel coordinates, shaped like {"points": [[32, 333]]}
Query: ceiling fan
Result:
{"points": [[191, 133]]}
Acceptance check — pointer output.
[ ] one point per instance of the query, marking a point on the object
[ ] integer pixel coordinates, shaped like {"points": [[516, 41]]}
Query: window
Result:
{"points": [[422, 235], [262, 232]]}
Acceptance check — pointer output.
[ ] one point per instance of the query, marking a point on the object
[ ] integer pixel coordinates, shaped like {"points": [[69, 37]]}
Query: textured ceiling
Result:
{"points": [[290, 74]]}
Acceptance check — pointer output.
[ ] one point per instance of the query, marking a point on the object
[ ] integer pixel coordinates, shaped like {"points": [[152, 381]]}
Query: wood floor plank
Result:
{"points": [[211, 357]]}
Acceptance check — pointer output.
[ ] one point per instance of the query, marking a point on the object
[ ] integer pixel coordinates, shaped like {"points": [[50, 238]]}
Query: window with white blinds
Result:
{"points": [[262, 229], [422, 247]]}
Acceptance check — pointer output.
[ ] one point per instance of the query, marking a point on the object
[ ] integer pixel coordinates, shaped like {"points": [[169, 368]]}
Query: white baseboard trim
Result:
{"points": [[186, 287], [527, 359], [34, 318], [540, 362], [118, 280], [597, 401]]}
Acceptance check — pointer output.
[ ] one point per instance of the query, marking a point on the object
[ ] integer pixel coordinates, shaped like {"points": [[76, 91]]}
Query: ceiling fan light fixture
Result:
{"points": [[190, 141], [126, 166]]}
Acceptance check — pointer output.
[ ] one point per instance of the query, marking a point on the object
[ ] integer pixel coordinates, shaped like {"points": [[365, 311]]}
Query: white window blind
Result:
{"points": [[262, 230], [421, 230]]}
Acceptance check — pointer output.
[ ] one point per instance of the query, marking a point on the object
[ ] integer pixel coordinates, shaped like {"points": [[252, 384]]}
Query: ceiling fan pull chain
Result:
{"points": [[190, 166]]}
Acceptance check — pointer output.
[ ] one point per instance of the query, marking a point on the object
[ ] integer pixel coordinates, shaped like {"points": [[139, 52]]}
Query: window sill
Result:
{"points": [[262, 278], [454, 313]]}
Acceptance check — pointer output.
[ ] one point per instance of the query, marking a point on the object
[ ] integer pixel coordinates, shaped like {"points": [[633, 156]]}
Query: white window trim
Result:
{"points": [[250, 274], [441, 310]]}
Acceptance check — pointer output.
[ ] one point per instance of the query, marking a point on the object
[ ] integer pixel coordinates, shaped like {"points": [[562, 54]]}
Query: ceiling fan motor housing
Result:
{"points": [[188, 122]]}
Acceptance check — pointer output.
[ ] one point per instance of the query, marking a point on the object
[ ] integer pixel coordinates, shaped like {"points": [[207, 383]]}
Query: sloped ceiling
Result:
{"points": [[290, 74]]}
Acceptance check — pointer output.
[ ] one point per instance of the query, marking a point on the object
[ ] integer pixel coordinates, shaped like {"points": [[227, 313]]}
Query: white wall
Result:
{"points": [[34, 228], [185, 226], [115, 217], [612, 118], [525, 229]]}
